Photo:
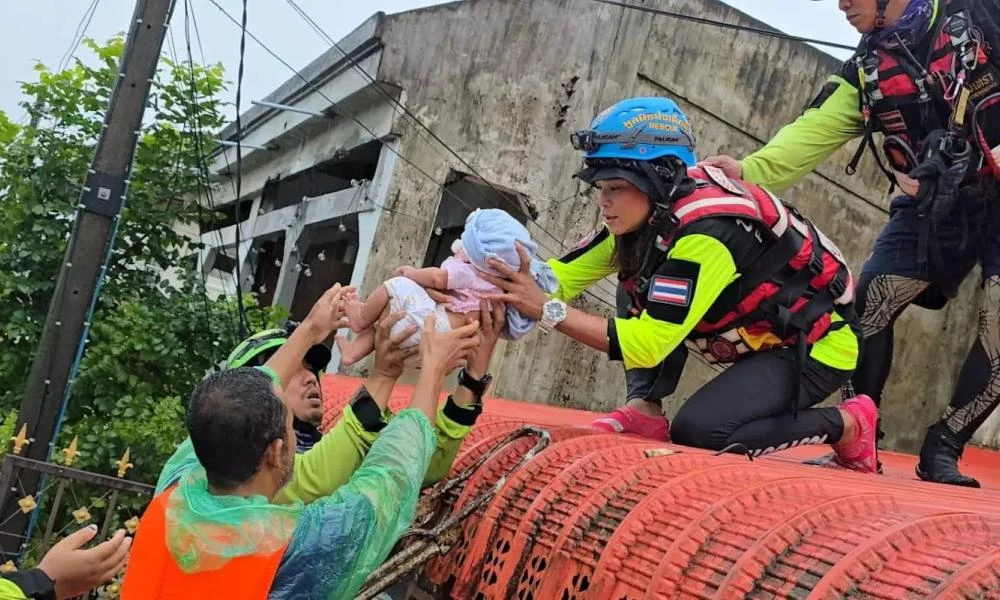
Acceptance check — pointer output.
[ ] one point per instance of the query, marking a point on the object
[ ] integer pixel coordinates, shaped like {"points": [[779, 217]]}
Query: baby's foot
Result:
{"points": [[348, 350], [355, 315]]}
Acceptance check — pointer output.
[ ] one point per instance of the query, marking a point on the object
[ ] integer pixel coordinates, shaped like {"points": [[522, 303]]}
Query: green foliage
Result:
{"points": [[153, 334]]}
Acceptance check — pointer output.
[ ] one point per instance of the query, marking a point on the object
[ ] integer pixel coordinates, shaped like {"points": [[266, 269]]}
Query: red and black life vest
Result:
{"points": [[905, 97], [786, 297]]}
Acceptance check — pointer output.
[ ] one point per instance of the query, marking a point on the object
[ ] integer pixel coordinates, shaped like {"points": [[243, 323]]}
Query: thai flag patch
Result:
{"points": [[670, 290]]}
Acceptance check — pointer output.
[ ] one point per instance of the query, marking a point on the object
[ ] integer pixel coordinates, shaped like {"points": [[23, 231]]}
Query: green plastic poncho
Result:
{"points": [[333, 544]]}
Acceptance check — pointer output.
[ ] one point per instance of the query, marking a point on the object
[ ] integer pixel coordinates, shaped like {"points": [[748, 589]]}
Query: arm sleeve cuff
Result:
{"points": [[462, 415], [367, 411], [614, 349], [34, 583]]}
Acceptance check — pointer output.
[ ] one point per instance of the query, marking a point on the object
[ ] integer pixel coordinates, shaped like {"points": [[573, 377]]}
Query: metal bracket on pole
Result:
{"points": [[103, 194]]}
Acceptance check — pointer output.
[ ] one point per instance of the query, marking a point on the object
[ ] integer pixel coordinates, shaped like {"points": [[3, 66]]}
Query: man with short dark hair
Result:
{"points": [[241, 402], [214, 531]]}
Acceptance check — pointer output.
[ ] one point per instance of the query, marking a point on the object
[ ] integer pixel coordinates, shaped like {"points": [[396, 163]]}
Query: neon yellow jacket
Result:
{"points": [[832, 120], [644, 341]]}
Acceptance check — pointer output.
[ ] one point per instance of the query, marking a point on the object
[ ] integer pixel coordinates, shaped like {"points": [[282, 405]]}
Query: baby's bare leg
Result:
{"points": [[459, 320], [352, 351], [362, 315]]}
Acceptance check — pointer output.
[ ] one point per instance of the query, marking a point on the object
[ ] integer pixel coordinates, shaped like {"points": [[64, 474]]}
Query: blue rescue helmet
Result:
{"points": [[639, 129], [638, 140]]}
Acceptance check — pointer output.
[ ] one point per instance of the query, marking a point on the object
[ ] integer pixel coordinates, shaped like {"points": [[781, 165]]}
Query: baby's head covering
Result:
{"points": [[492, 233]]}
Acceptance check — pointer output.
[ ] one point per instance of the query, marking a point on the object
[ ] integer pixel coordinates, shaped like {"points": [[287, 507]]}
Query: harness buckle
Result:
{"points": [[838, 286], [816, 265]]}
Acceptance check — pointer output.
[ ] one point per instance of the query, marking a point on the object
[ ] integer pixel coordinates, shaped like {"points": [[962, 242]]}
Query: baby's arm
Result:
{"points": [[428, 277]]}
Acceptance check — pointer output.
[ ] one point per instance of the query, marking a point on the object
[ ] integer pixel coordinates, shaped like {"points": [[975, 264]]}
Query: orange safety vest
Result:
{"points": [[152, 573]]}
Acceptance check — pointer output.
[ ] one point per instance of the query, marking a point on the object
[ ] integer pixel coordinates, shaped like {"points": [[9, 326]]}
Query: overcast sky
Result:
{"points": [[43, 30]]}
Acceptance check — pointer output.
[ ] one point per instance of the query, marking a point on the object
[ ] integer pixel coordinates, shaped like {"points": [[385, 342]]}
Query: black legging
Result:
{"points": [[749, 404], [881, 299]]}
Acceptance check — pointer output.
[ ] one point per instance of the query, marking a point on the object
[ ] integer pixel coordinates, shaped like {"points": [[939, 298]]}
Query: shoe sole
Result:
{"points": [[923, 476]]}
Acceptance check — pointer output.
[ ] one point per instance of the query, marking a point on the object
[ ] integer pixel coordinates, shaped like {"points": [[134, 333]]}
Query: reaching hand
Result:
{"points": [[493, 319], [75, 571], [389, 356], [521, 289], [443, 352], [327, 315], [729, 165]]}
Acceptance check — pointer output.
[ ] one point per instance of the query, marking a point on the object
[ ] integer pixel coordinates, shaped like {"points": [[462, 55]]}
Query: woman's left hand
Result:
{"points": [[520, 288]]}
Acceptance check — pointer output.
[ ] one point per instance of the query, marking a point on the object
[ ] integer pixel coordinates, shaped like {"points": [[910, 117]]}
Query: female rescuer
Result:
{"points": [[718, 262]]}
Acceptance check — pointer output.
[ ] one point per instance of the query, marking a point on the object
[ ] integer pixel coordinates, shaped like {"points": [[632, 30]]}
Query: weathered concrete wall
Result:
{"points": [[504, 82]]}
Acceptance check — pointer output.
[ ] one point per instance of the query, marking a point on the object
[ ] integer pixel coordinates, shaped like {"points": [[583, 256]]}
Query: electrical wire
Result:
{"points": [[342, 111], [244, 323], [401, 110], [179, 159], [78, 35], [204, 182], [724, 25]]}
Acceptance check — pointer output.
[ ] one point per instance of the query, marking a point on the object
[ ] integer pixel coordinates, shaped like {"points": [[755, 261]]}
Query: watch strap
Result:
{"points": [[476, 386]]}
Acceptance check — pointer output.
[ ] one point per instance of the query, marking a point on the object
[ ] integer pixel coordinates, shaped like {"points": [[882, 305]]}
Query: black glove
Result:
{"points": [[940, 173]]}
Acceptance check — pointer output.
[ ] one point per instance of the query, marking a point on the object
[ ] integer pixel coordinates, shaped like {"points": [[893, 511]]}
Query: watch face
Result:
{"points": [[554, 311]]}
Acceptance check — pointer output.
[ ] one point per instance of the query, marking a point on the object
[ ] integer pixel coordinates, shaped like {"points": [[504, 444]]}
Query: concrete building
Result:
{"points": [[502, 83]]}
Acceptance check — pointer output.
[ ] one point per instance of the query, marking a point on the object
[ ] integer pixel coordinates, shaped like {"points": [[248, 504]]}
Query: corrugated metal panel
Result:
{"points": [[604, 516]]}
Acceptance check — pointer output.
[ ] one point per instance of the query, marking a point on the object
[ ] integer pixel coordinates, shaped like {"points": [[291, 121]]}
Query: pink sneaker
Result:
{"points": [[630, 420], [861, 454]]}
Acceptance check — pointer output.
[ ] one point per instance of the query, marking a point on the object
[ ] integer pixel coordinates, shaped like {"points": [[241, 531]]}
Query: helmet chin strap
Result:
{"points": [[880, 14], [662, 218]]}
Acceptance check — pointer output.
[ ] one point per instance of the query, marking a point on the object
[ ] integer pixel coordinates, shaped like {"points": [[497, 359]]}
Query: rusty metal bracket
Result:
{"points": [[440, 538]]}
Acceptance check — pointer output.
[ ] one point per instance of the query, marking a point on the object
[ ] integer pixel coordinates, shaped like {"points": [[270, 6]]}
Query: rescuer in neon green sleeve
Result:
{"points": [[926, 77], [331, 461], [717, 263]]}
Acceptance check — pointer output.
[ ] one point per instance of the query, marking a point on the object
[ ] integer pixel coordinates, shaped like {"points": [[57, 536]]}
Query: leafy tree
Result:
{"points": [[154, 332]]}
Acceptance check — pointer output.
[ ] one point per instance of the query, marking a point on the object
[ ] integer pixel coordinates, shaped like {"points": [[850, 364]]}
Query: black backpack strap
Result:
{"points": [[771, 266]]}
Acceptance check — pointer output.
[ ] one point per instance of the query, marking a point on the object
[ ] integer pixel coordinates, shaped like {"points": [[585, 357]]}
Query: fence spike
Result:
{"points": [[70, 453], [132, 524], [21, 439], [123, 464]]}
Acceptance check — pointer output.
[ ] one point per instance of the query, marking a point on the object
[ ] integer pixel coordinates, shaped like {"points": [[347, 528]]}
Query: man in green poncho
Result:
{"points": [[215, 531]]}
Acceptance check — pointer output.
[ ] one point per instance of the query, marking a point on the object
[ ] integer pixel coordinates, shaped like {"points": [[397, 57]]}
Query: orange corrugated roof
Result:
{"points": [[607, 516]]}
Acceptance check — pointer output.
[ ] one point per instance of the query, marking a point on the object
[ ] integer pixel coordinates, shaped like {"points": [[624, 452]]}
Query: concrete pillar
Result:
{"points": [[368, 221]]}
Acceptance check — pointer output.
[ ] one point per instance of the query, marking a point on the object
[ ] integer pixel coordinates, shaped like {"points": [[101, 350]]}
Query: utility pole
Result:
{"points": [[101, 198]]}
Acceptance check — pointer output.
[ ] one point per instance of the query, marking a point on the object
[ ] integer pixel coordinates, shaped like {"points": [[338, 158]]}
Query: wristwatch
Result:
{"points": [[478, 387], [553, 313]]}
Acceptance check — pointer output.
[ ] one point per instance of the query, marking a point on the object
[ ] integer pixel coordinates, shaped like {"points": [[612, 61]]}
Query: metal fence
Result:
{"points": [[80, 498]]}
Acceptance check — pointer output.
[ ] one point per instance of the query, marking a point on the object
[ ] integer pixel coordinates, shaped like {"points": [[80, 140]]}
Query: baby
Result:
{"points": [[488, 233]]}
